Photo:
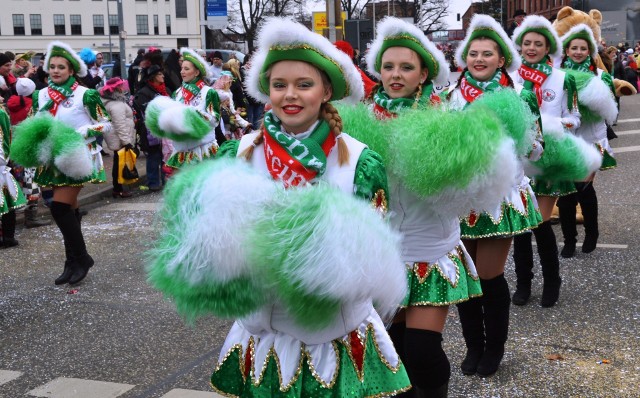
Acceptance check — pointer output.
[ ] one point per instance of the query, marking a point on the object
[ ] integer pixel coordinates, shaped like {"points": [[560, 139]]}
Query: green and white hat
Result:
{"points": [[541, 25], [197, 61], [581, 31], [281, 39], [60, 49], [394, 32], [485, 26]]}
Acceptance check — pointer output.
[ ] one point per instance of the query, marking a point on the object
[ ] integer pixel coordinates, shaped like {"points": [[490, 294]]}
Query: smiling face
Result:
{"points": [[577, 50], [401, 72], [534, 47], [59, 70], [484, 59], [188, 71], [297, 91]]}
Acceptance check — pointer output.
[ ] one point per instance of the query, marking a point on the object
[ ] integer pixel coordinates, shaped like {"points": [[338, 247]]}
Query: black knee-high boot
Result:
{"points": [[548, 252], [397, 334], [470, 313], [567, 210], [589, 203], [523, 260], [495, 304], [429, 368], [9, 229], [69, 226]]}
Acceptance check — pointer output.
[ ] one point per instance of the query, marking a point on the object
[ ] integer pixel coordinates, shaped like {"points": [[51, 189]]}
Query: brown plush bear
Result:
{"points": [[568, 18]]}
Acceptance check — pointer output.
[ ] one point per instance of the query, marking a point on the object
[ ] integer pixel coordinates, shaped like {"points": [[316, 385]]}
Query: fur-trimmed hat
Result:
{"points": [[541, 25], [25, 86], [60, 49], [197, 61], [584, 32], [281, 39], [394, 32], [485, 26]]}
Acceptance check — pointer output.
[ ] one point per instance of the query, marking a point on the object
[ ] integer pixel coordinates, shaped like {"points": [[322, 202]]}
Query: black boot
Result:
{"points": [[9, 229], [495, 304], [567, 210], [68, 266], [397, 332], [78, 260], [589, 203], [523, 260], [427, 364], [548, 252], [31, 219], [470, 313]]}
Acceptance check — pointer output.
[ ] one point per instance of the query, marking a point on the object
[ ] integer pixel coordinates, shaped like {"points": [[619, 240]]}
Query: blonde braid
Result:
{"points": [[247, 153], [330, 114]]}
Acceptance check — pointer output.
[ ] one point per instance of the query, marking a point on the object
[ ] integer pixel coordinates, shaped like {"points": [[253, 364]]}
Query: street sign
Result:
{"points": [[217, 17]]}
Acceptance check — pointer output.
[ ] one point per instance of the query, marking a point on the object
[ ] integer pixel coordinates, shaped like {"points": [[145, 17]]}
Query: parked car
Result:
{"points": [[108, 71]]}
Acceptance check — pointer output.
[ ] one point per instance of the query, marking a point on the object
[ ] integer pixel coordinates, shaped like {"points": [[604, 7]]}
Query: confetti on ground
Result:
{"points": [[554, 357], [72, 291]]}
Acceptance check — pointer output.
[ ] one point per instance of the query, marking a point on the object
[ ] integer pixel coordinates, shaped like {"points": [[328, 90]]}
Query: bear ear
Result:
{"points": [[596, 15], [565, 12]]}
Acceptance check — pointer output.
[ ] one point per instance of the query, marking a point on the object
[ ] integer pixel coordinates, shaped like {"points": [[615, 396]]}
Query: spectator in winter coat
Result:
{"points": [[19, 105], [10, 80], [122, 133]]}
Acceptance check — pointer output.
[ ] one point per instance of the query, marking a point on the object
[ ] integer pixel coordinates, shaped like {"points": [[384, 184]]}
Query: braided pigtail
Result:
{"points": [[457, 83], [503, 69], [330, 114], [373, 92], [247, 153]]}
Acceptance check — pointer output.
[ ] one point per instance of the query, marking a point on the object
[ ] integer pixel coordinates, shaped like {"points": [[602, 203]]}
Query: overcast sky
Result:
{"points": [[455, 7]]}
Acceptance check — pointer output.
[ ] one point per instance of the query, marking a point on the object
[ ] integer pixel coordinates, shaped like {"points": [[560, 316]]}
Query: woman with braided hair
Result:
{"points": [[314, 332]]}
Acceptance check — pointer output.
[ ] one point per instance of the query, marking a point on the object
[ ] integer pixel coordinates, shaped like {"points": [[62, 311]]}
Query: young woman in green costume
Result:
{"points": [[488, 56], [557, 97], [580, 49], [66, 106]]}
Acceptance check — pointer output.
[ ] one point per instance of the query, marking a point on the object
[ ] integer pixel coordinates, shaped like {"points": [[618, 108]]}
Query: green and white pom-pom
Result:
{"points": [[70, 153], [319, 248], [360, 123], [595, 100], [565, 158], [167, 118], [514, 114], [31, 146], [199, 259]]}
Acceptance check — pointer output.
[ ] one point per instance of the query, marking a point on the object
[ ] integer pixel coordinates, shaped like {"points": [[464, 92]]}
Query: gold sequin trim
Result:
{"points": [[379, 202], [315, 373], [371, 331]]}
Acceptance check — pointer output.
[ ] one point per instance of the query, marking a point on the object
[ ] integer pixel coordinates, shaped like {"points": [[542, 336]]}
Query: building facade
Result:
{"points": [[29, 25]]}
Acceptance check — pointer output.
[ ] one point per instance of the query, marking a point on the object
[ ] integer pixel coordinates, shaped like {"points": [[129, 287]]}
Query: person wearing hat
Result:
{"points": [[518, 17], [488, 57], [153, 85], [11, 197], [22, 66], [122, 132], [580, 50], [68, 104], [439, 270], [337, 344], [557, 97], [216, 65], [19, 107], [9, 78], [195, 94]]}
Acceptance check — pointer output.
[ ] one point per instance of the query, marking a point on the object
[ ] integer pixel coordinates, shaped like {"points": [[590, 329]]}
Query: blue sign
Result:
{"points": [[216, 8]]}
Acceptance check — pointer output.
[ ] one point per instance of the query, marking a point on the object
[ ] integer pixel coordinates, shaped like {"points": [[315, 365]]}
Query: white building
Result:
{"points": [[29, 25]]}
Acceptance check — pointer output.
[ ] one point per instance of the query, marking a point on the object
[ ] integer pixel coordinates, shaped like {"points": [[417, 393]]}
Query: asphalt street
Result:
{"points": [[114, 336]]}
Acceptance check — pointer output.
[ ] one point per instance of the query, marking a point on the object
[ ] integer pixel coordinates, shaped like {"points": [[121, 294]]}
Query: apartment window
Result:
{"points": [[76, 26], [156, 27], [98, 25], [183, 42], [18, 24], [167, 20], [36, 24], [142, 24], [58, 24], [181, 8], [113, 25]]}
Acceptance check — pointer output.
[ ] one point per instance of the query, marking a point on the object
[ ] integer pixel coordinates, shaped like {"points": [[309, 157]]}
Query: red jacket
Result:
{"points": [[19, 107]]}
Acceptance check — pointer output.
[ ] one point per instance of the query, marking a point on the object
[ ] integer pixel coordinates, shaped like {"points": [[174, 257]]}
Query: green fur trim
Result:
{"points": [[562, 160], [437, 149], [228, 149], [65, 140], [514, 113], [360, 123], [197, 126], [582, 80], [27, 139]]}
